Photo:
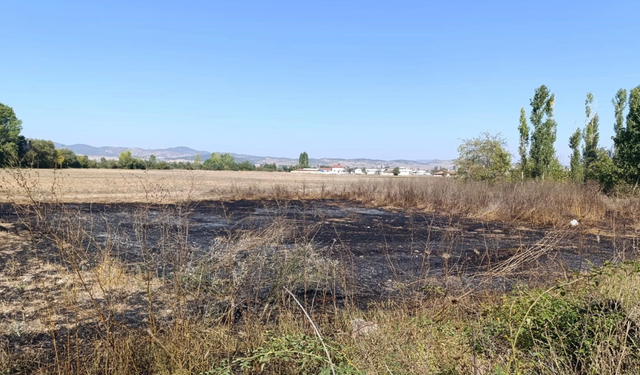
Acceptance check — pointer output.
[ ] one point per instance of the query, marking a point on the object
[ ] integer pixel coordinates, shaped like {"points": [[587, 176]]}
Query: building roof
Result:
{"points": [[338, 166]]}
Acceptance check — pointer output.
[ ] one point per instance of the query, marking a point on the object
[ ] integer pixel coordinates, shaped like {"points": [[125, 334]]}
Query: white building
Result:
{"points": [[406, 171], [373, 171], [338, 169]]}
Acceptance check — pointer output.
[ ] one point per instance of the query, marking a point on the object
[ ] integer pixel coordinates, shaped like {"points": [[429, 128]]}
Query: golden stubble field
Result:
{"points": [[117, 186]]}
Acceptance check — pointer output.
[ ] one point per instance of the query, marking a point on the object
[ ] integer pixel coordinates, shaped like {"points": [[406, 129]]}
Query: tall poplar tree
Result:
{"points": [[591, 137], [627, 141], [619, 103], [576, 171], [523, 128], [303, 159], [542, 152]]}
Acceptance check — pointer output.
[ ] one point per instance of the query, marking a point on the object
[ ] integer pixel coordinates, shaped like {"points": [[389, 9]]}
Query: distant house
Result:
{"points": [[334, 169], [372, 171], [338, 169], [445, 173], [406, 172]]}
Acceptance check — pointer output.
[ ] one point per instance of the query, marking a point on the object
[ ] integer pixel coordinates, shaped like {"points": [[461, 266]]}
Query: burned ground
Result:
{"points": [[119, 255], [380, 246]]}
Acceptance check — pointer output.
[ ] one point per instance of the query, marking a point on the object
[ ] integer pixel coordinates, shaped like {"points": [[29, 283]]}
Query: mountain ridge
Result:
{"points": [[184, 153]]}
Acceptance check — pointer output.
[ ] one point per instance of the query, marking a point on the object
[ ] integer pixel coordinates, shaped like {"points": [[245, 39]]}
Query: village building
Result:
{"points": [[338, 169], [372, 171], [406, 172]]}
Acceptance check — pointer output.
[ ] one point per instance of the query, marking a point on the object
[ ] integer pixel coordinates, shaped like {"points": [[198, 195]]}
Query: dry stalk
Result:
{"points": [[315, 328]]}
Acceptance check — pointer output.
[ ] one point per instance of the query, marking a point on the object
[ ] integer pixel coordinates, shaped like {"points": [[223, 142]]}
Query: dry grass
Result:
{"points": [[114, 186], [72, 304], [533, 203]]}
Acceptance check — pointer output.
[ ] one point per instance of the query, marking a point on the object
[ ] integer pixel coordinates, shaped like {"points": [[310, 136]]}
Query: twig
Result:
{"points": [[315, 328]]}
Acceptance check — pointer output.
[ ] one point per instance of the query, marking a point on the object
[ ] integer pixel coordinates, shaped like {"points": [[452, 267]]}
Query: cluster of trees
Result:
{"points": [[12, 145], [16, 150], [217, 162], [226, 162], [486, 157]]}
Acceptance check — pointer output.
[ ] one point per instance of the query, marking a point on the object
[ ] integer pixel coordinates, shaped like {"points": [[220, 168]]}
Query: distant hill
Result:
{"points": [[188, 154]]}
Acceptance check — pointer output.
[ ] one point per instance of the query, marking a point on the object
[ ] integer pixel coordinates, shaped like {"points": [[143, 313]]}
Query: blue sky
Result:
{"points": [[377, 79]]}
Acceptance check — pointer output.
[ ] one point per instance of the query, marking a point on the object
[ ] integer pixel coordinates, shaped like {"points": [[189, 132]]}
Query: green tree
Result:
{"points": [[59, 159], [484, 158], [108, 164], [152, 162], [591, 137], [303, 160], [627, 142], [558, 172], [67, 159], [10, 128], [619, 103], [576, 162], [219, 162], [396, 171], [542, 152], [246, 166], [40, 154], [83, 161], [605, 171], [125, 160], [271, 167], [523, 128], [228, 162]]}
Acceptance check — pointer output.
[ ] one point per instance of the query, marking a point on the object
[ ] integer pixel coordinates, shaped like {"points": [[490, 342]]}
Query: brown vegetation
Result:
{"points": [[537, 203], [72, 304]]}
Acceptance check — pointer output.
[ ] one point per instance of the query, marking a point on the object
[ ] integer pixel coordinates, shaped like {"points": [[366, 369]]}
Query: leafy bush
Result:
{"points": [[562, 330], [289, 354]]}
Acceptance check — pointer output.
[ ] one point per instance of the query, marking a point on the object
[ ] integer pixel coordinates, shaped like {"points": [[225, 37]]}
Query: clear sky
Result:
{"points": [[377, 79]]}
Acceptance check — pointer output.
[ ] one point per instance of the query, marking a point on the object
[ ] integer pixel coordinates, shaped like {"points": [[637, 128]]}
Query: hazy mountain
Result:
{"points": [[188, 154]]}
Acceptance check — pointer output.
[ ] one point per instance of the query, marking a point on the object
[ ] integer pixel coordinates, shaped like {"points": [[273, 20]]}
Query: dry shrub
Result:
{"points": [[251, 270], [537, 203], [533, 202]]}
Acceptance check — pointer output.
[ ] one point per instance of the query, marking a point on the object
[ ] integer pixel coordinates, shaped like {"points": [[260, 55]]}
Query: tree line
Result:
{"points": [[18, 151], [486, 157]]}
